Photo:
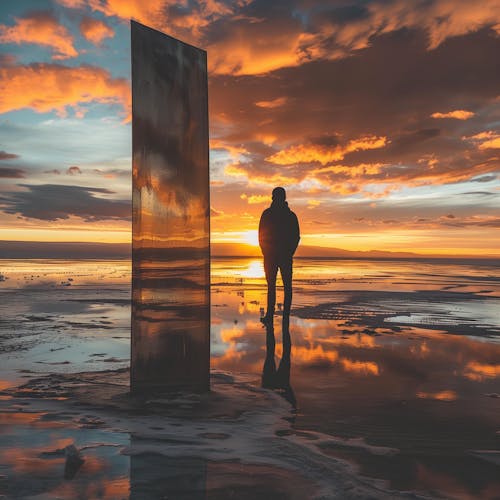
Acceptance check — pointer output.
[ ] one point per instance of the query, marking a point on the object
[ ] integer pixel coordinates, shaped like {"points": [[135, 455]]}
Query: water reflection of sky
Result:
{"points": [[425, 382], [401, 355], [33, 458]]}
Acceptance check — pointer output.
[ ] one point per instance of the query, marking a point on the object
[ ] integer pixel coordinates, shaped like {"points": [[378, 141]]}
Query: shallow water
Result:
{"points": [[386, 355]]}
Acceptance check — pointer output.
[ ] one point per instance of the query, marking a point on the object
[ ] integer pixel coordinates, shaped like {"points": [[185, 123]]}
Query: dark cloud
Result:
{"points": [[7, 156], [53, 171], [12, 173], [73, 170], [485, 178], [479, 193], [52, 202], [389, 89], [471, 222], [343, 13]]}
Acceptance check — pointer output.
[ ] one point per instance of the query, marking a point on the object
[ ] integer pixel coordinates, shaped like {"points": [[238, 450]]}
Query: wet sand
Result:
{"points": [[393, 386]]}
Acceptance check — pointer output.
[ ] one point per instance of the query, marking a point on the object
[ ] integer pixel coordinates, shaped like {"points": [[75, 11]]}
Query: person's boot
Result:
{"points": [[267, 320]]}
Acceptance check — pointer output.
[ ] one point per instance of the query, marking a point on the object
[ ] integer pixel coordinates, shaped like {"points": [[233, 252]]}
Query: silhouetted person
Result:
{"points": [[279, 236]]}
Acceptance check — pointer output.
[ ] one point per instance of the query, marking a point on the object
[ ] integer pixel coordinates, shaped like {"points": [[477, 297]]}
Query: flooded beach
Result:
{"points": [[390, 387]]}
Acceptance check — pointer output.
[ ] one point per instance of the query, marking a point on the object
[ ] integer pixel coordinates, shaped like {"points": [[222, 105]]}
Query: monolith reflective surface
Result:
{"points": [[171, 208]]}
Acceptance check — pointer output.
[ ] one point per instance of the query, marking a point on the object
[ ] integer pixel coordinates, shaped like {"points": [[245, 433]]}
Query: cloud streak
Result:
{"points": [[11, 173], [324, 155], [54, 87], [457, 114], [8, 156]]}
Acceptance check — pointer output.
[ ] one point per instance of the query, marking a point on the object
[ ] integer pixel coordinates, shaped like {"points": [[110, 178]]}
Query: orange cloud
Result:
{"points": [[485, 140], [40, 28], [488, 134], [479, 371], [362, 170], [441, 19], [363, 367], [150, 12], [250, 55], [52, 87], [458, 114], [311, 355], [230, 335], [256, 48], [255, 199], [491, 144], [461, 18], [154, 12], [234, 151], [439, 396], [252, 52], [313, 203], [95, 30], [73, 4], [324, 154], [239, 170], [117, 488], [274, 103]]}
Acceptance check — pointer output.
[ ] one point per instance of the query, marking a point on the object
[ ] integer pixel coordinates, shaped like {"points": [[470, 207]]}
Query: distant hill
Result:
{"points": [[79, 250], [242, 250], [64, 250]]}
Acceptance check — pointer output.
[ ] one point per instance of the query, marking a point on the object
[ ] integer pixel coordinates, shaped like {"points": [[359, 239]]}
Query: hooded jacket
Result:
{"points": [[279, 232]]}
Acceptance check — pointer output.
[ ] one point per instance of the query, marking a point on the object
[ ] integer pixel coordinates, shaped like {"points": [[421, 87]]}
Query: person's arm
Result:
{"points": [[294, 233], [263, 229]]}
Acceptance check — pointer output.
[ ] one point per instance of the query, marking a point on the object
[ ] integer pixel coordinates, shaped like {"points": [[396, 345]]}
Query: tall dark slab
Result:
{"points": [[171, 209]]}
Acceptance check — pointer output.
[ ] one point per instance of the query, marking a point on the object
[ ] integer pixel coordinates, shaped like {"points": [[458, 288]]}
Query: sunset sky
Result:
{"points": [[381, 118]]}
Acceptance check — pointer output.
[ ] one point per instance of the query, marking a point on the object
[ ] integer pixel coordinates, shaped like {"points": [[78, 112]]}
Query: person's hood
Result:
{"points": [[279, 205]]}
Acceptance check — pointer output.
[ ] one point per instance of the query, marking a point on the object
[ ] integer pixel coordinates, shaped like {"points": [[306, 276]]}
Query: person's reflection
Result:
{"points": [[279, 379]]}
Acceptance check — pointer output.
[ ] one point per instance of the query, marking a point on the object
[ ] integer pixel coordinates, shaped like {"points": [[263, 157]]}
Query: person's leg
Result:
{"points": [[286, 276], [271, 270]]}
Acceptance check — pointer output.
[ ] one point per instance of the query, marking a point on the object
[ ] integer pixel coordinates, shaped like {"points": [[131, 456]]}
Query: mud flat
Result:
{"points": [[391, 389], [238, 439]]}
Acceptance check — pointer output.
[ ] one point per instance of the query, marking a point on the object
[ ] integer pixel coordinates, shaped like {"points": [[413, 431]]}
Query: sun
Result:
{"points": [[251, 238], [254, 269]]}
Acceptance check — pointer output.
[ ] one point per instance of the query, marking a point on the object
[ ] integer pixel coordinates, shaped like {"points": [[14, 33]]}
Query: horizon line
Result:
{"points": [[28, 250]]}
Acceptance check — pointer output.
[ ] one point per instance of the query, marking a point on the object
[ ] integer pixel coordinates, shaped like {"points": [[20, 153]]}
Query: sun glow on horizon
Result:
{"points": [[251, 238], [254, 269]]}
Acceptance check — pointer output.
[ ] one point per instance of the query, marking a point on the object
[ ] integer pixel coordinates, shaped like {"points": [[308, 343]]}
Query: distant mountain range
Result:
{"points": [[242, 250], [66, 250], [79, 250]]}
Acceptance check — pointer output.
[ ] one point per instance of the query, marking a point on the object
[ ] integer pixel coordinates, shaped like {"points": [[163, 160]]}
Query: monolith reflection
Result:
{"points": [[170, 226]]}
